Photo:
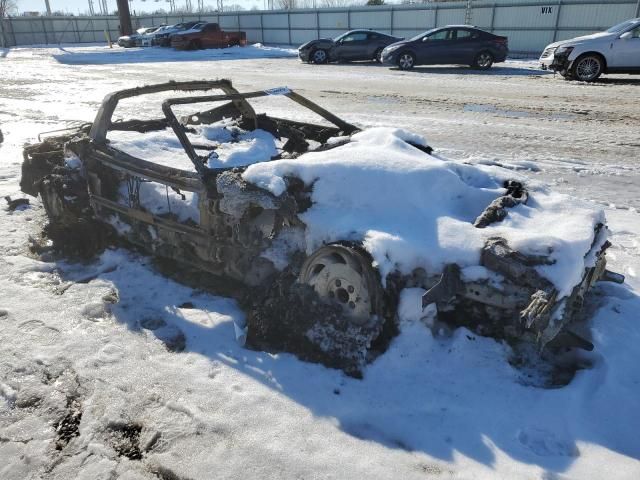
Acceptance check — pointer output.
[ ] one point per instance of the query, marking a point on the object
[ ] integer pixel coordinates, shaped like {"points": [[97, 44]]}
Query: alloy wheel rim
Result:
{"points": [[588, 68], [406, 61], [319, 56], [484, 60]]}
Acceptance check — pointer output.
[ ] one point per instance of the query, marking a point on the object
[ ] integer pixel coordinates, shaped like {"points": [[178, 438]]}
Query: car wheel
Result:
{"points": [[342, 276], [319, 56], [587, 68], [483, 61], [406, 61], [377, 56]]}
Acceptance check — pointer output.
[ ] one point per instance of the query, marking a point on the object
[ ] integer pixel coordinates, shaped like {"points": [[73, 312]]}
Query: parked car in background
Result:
{"points": [[352, 45], [162, 37], [616, 50], [453, 44], [208, 35], [135, 39]]}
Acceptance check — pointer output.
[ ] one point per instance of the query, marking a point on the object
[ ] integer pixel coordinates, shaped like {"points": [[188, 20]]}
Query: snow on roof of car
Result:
{"points": [[414, 210]]}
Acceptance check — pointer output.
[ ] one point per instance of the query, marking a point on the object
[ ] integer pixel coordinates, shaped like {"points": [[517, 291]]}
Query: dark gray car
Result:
{"points": [[453, 44], [352, 45]]}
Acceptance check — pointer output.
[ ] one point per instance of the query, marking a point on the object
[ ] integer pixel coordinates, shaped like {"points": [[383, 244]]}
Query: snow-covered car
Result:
{"points": [[142, 36], [616, 50], [319, 228]]}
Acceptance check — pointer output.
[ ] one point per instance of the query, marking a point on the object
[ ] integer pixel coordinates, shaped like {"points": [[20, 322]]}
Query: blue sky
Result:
{"points": [[82, 6]]}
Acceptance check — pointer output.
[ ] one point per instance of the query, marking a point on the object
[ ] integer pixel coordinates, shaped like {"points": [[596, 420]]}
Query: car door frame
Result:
{"points": [[351, 50], [468, 48], [431, 52], [618, 59]]}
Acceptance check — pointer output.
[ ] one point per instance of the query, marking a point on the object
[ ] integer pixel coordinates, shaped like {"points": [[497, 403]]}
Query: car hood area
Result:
{"points": [[585, 38], [417, 210], [323, 42]]}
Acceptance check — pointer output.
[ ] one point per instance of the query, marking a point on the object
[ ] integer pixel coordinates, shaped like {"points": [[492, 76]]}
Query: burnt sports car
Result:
{"points": [[352, 45], [318, 227]]}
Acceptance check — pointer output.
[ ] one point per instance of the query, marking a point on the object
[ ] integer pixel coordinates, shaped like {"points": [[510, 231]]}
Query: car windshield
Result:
{"points": [[622, 26], [419, 36]]}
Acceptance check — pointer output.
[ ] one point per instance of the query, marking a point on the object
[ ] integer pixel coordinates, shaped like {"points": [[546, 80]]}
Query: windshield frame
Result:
{"points": [[424, 34], [622, 26], [342, 35]]}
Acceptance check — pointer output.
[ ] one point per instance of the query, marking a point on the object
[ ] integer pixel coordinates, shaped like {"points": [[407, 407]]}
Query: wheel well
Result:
{"points": [[402, 52], [597, 54], [486, 50]]}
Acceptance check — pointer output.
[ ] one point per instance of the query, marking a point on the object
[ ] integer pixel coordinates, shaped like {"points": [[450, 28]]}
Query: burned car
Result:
{"points": [[318, 228]]}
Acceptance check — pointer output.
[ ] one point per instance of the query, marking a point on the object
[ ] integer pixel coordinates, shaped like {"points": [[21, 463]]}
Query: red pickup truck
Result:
{"points": [[208, 35]]}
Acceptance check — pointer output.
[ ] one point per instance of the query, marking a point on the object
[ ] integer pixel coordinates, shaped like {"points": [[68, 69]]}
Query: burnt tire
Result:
{"points": [[295, 312], [483, 61], [587, 68], [319, 56], [71, 226], [406, 61], [343, 276]]}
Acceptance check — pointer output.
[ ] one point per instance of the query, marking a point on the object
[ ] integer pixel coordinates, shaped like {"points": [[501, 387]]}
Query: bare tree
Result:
{"points": [[287, 4], [336, 3], [8, 7]]}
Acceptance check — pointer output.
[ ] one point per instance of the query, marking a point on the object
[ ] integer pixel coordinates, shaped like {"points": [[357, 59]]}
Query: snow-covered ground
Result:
{"points": [[149, 368], [97, 55]]}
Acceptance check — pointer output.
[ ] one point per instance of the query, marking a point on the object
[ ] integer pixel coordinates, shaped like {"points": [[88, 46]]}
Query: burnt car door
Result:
{"points": [[167, 210], [352, 46], [434, 48]]}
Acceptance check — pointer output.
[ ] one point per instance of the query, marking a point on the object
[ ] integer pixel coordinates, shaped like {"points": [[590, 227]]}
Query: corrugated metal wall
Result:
{"points": [[529, 24]]}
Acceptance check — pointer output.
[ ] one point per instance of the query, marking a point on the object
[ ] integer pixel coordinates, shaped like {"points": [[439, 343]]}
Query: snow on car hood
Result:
{"points": [[593, 36], [414, 210]]}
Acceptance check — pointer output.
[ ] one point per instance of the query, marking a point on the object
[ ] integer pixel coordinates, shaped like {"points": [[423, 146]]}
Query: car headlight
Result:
{"points": [[391, 49], [564, 50]]}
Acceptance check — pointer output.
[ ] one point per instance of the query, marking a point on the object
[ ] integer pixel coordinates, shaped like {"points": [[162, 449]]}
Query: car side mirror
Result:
{"points": [[626, 36], [425, 39]]}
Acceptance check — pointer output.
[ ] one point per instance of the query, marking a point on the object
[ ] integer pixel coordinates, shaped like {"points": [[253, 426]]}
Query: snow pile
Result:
{"points": [[239, 147], [161, 200], [161, 147], [416, 210], [102, 55], [232, 146]]}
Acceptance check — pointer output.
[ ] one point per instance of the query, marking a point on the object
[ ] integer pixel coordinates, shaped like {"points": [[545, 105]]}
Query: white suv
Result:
{"points": [[616, 50]]}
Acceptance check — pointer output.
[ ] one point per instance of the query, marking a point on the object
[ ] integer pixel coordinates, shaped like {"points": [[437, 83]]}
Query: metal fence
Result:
{"points": [[529, 24]]}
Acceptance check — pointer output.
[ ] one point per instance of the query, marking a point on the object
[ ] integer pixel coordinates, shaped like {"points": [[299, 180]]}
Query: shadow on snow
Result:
{"points": [[443, 397]]}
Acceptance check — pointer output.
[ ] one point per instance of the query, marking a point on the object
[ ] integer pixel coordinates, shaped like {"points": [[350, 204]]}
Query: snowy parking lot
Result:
{"points": [[108, 369]]}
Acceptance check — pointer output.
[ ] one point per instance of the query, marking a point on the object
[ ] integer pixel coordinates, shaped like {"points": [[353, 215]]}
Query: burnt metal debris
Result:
{"points": [[329, 306]]}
